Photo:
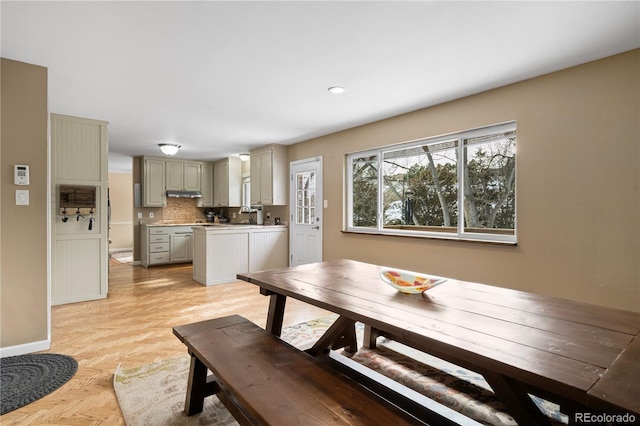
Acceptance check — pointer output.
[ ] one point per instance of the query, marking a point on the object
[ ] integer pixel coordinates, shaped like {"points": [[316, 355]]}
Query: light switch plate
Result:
{"points": [[22, 197]]}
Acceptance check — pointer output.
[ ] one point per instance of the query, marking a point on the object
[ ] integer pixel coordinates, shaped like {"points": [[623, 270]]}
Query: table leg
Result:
{"points": [[370, 336], [276, 313], [341, 334], [516, 400]]}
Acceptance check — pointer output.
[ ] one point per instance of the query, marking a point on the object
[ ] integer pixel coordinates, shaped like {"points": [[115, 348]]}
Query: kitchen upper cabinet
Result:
{"points": [[269, 170], [192, 173], [182, 176], [227, 182], [206, 186], [153, 182]]}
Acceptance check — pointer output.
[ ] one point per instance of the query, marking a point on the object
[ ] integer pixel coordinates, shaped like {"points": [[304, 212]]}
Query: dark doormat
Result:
{"points": [[26, 378]]}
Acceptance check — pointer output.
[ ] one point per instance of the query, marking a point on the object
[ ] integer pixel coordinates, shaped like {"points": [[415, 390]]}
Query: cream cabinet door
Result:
{"points": [[266, 177], [191, 180], [153, 185], [254, 172], [206, 186], [174, 175], [227, 182], [221, 184], [269, 172]]}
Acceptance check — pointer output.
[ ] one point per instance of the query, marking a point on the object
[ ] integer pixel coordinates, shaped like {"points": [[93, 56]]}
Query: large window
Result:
{"points": [[459, 186]]}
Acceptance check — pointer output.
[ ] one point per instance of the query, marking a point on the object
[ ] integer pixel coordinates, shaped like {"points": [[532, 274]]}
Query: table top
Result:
{"points": [[557, 346]]}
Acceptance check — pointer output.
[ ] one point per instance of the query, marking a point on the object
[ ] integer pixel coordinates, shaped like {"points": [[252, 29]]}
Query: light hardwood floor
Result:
{"points": [[132, 327]]}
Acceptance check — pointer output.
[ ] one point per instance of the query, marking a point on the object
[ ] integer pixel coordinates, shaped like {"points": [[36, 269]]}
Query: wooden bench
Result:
{"points": [[263, 380]]}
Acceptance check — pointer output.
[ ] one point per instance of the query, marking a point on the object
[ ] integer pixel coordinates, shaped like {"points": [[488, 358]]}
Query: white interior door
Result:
{"points": [[305, 224]]}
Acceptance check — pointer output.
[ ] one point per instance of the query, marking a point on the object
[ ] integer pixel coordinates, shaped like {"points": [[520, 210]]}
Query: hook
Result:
{"points": [[64, 215], [79, 214]]}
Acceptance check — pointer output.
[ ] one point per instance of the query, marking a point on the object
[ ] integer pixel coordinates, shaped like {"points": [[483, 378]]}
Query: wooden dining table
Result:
{"points": [[584, 357]]}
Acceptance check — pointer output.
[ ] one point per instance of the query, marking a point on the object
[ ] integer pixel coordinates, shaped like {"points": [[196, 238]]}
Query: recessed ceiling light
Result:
{"points": [[336, 90]]}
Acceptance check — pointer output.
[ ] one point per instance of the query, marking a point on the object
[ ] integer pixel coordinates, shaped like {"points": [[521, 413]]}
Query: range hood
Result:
{"points": [[184, 194]]}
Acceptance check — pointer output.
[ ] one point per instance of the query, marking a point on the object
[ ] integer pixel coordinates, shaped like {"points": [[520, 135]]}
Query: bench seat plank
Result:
{"points": [[275, 383]]}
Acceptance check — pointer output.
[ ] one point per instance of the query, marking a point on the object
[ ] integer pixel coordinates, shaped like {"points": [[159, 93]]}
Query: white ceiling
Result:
{"points": [[221, 78]]}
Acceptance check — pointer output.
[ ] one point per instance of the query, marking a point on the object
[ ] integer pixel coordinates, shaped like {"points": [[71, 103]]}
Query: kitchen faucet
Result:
{"points": [[249, 210]]}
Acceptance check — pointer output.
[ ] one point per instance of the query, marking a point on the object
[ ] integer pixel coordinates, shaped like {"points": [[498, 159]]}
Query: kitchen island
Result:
{"points": [[222, 251]]}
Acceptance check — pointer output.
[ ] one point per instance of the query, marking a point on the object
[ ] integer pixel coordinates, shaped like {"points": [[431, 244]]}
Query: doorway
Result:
{"points": [[305, 226]]}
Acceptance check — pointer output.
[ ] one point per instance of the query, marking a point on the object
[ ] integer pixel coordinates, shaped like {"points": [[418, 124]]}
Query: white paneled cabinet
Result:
{"points": [[268, 249], [269, 170], [79, 247], [220, 253]]}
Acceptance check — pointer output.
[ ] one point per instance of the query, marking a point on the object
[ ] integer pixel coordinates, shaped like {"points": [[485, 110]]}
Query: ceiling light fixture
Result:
{"points": [[169, 148], [244, 156], [336, 90]]}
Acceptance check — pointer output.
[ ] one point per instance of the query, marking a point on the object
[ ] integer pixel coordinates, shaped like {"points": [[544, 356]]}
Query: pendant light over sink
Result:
{"points": [[169, 148]]}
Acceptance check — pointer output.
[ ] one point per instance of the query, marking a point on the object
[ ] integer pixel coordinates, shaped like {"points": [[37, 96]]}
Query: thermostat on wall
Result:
{"points": [[21, 174]]}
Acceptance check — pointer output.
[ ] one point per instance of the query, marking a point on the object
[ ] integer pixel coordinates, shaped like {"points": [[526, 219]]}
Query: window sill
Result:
{"points": [[431, 237]]}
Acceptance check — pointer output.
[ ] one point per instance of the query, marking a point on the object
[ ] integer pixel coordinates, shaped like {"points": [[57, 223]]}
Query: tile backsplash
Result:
{"points": [[177, 210], [182, 210], [185, 210]]}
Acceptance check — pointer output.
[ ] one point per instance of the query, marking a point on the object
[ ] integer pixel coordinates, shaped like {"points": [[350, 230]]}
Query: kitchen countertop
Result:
{"points": [[215, 225]]}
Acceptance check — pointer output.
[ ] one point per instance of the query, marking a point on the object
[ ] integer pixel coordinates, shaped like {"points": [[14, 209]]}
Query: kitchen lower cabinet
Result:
{"points": [[268, 249], [180, 246], [165, 244], [219, 256], [222, 252]]}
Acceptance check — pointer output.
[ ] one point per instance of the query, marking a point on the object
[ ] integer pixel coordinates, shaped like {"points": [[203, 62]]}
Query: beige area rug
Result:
{"points": [[123, 256], [154, 394]]}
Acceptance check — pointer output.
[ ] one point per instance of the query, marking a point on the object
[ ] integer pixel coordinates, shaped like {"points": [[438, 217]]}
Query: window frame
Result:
{"points": [[460, 233]]}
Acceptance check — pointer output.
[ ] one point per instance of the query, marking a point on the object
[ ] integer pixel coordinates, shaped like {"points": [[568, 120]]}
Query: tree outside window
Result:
{"points": [[417, 188]]}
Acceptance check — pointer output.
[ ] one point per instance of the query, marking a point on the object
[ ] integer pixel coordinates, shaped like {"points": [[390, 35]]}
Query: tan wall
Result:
{"points": [[23, 229], [578, 164], [121, 226]]}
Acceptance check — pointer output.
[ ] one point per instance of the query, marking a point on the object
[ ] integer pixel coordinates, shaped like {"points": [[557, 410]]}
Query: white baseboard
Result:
{"points": [[25, 348]]}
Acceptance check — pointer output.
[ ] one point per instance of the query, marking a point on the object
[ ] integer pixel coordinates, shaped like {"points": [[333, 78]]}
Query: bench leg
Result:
{"points": [[370, 336], [198, 387]]}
